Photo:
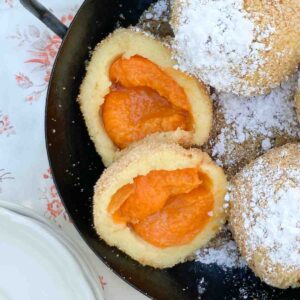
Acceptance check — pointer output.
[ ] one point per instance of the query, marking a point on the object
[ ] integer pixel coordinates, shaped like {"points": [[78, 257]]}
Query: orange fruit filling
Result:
{"points": [[143, 99], [165, 208]]}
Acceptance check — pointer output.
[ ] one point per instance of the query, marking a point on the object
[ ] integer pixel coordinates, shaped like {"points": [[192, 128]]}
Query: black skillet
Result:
{"points": [[76, 165]]}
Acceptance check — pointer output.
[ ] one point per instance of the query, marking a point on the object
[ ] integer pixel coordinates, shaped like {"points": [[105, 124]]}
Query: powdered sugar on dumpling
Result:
{"points": [[265, 215], [246, 127], [214, 36], [236, 46]]}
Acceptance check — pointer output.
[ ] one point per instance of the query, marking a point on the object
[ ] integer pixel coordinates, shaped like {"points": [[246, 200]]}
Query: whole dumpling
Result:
{"points": [[240, 46]]}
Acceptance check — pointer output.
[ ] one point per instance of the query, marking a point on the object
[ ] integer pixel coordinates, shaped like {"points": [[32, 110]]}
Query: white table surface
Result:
{"points": [[27, 52]]}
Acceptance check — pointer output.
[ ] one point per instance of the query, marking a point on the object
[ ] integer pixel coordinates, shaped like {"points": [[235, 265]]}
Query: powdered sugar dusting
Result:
{"points": [[219, 42], [274, 221], [158, 11], [249, 118], [202, 285], [281, 227], [156, 19], [266, 144], [258, 115], [225, 256]]}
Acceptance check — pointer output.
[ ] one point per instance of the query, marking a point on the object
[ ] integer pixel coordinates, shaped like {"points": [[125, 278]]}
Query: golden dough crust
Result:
{"points": [[126, 43], [272, 171], [140, 160], [277, 25]]}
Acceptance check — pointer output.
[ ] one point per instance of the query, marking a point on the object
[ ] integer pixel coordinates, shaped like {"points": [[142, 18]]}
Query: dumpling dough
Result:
{"points": [[248, 53], [127, 43], [265, 215], [140, 160]]}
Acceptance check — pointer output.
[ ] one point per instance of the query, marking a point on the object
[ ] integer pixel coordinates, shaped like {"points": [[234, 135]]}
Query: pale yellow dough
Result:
{"points": [[95, 86], [144, 157]]}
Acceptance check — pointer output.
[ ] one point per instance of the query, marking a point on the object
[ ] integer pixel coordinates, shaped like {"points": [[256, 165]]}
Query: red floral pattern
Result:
{"points": [[33, 50], [102, 282], [23, 81], [47, 174], [54, 209], [42, 48], [5, 126], [10, 3]]}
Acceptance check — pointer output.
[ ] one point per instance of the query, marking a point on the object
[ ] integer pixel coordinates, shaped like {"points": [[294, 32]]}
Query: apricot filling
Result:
{"points": [[165, 208], [143, 99]]}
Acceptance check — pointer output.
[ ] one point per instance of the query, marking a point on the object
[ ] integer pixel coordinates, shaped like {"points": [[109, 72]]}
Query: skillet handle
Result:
{"points": [[43, 14]]}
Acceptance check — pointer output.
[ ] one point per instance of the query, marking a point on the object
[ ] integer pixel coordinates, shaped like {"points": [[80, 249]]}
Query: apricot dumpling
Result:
{"points": [[160, 202], [132, 90]]}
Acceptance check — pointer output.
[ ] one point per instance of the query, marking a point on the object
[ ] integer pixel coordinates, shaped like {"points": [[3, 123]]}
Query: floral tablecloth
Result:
{"points": [[27, 52]]}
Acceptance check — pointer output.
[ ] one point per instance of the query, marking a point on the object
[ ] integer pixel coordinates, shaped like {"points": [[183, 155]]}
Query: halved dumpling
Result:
{"points": [[132, 90], [160, 202]]}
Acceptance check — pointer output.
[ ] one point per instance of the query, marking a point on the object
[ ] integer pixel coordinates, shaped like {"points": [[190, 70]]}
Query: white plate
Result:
{"points": [[38, 263]]}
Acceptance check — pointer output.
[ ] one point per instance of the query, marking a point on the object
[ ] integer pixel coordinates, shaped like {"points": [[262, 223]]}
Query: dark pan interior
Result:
{"points": [[76, 167]]}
